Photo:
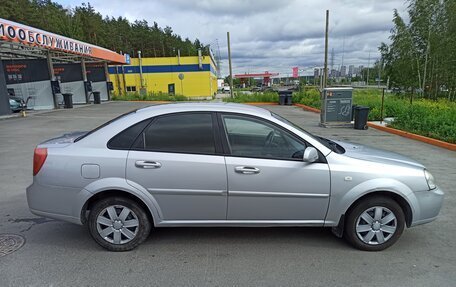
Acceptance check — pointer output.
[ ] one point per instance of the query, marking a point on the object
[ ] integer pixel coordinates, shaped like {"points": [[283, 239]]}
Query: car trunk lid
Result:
{"points": [[63, 140]]}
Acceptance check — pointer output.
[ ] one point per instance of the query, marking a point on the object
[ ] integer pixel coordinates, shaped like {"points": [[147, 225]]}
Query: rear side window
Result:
{"points": [[185, 132], [126, 138]]}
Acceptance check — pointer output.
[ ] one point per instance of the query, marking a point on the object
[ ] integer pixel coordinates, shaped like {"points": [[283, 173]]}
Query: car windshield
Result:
{"points": [[103, 125], [324, 141]]}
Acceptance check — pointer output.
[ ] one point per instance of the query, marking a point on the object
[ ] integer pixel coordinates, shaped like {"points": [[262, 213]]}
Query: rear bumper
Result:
{"points": [[429, 205], [57, 202], [62, 217]]}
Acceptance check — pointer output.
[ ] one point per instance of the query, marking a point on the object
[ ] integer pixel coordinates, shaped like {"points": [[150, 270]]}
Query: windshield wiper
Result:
{"points": [[332, 145]]}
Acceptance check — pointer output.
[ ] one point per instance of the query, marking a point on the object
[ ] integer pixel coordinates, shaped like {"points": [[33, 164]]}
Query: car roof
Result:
{"points": [[213, 107]]}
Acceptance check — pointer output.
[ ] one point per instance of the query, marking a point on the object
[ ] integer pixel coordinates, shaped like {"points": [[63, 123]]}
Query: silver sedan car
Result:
{"points": [[200, 164]]}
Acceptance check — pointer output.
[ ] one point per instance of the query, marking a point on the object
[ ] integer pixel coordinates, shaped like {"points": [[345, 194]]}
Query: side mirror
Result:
{"points": [[310, 155]]}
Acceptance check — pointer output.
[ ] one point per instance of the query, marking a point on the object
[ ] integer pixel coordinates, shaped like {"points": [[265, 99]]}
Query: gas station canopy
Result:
{"points": [[17, 40], [39, 67]]}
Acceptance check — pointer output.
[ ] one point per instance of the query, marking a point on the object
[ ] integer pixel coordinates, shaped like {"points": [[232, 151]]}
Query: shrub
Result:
{"points": [[135, 96], [372, 98], [428, 118], [310, 97]]}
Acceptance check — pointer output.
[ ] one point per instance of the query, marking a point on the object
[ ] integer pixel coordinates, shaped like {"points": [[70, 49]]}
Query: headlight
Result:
{"points": [[429, 179]]}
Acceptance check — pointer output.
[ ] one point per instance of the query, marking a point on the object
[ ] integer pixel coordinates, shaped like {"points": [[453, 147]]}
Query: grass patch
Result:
{"points": [[254, 97], [266, 97], [309, 97], [372, 98], [428, 118]]}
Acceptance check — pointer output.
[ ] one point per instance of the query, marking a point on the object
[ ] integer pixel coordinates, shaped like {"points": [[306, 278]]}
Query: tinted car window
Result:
{"points": [[186, 132], [250, 137], [126, 138]]}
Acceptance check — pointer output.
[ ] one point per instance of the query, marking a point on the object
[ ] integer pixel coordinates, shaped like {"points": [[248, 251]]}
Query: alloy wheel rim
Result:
{"points": [[117, 224], [376, 225]]}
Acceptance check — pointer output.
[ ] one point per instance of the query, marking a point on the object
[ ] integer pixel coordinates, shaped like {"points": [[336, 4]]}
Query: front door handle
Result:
{"points": [[147, 164], [246, 170]]}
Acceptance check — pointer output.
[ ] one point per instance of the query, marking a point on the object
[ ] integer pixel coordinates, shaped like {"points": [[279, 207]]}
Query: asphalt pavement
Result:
{"points": [[62, 254]]}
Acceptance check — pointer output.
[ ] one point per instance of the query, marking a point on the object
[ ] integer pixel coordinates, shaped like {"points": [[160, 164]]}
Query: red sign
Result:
{"points": [[295, 72]]}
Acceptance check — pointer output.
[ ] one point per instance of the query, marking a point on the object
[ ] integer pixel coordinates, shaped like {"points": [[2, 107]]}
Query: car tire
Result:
{"points": [[118, 223], [374, 224]]}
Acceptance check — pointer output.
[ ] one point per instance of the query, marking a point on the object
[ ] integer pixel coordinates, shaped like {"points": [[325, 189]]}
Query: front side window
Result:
{"points": [[249, 137], [185, 132]]}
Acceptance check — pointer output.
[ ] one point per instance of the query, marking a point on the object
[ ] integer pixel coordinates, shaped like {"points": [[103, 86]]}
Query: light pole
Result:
{"points": [[325, 78], [229, 61]]}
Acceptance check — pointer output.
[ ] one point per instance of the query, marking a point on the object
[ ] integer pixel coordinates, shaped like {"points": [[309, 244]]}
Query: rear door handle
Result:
{"points": [[246, 170], [147, 164]]}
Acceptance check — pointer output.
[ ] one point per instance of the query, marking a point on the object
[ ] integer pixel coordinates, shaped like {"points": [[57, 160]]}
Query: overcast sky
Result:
{"points": [[270, 35]]}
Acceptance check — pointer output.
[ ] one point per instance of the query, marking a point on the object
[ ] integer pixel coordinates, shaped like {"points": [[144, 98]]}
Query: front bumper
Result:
{"points": [[428, 206]]}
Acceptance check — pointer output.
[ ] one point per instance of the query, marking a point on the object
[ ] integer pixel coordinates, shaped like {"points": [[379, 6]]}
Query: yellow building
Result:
{"points": [[188, 76]]}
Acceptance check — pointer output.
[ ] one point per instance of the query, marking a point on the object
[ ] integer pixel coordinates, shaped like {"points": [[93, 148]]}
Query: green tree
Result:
{"points": [[422, 52]]}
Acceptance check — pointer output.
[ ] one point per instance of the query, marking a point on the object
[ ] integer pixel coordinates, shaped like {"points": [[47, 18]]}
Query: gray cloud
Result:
{"points": [[270, 35], [235, 8]]}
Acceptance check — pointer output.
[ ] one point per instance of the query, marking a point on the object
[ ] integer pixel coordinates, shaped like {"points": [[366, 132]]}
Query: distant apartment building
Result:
{"points": [[334, 73], [343, 71], [351, 70], [316, 72]]}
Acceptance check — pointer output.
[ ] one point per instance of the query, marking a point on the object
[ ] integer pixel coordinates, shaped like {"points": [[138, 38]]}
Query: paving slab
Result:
{"points": [[62, 254]]}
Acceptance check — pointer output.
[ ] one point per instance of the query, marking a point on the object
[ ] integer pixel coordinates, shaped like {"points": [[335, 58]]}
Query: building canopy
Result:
{"points": [[17, 40]]}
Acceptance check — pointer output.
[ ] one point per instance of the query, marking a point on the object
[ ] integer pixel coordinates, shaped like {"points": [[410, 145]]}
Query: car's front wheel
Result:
{"points": [[375, 223], [118, 224]]}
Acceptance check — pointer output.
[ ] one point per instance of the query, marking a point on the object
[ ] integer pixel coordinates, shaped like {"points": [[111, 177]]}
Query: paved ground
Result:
{"points": [[62, 254]]}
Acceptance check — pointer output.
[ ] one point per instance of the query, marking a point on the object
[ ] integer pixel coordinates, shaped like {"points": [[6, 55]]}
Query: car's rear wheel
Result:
{"points": [[118, 224], [375, 223]]}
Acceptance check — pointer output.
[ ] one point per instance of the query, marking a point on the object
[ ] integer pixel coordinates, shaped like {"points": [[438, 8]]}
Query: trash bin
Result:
{"points": [[361, 114], [96, 97], [67, 100], [282, 99], [289, 99], [353, 112], [285, 98]]}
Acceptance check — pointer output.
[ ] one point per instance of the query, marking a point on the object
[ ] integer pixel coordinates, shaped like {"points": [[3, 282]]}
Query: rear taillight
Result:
{"points": [[39, 157]]}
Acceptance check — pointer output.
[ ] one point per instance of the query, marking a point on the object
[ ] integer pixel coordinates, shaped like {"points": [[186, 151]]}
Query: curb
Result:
{"points": [[424, 139], [307, 108]]}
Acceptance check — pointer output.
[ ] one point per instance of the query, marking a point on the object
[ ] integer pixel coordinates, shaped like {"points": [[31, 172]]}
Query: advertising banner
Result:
{"points": [[68, 72], [25, 71], [295, 72], [95, 72]]}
